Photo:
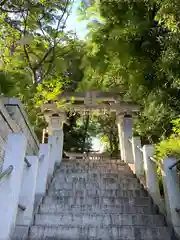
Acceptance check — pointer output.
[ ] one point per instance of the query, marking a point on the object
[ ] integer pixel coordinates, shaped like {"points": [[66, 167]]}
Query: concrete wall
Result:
{"points": [[14, 119]]}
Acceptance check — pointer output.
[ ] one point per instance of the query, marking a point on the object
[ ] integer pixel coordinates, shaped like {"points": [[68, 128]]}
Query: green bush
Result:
{"points": [[169, 147], [166, 148]]}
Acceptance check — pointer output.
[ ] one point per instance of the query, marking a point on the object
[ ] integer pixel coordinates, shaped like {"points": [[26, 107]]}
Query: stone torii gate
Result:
{"points": [[85, 103]]}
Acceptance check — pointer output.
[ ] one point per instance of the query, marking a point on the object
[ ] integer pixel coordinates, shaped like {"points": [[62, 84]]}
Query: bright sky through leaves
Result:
{"points": [[80, 27]]}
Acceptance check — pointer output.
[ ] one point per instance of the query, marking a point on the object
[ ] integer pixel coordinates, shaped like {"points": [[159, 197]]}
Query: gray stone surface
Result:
{"points": [[20, 233], [96, 200], [93, 178], [97, 193], [75, 209], [94, 219], [104, 233]]}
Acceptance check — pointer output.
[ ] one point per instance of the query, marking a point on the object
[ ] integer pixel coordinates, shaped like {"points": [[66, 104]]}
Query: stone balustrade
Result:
{"points": [[27, 169], [24, 183], [22, 189], [24, 186], [145, 167], [14, 119]]}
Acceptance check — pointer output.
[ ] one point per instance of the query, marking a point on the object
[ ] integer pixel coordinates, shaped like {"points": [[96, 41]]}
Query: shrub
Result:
{"points": [[169, 147]]}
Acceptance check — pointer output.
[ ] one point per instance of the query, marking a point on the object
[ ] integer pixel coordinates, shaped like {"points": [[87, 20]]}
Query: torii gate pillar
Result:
{"points": [[125, 132], [56, 135]]}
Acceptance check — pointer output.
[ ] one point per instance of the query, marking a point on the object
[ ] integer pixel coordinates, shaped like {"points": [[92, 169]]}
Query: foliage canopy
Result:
{"points": [[133, 49]]}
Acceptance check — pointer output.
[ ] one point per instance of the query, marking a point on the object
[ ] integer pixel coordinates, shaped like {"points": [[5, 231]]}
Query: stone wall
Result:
{"points": [[14, 119]]}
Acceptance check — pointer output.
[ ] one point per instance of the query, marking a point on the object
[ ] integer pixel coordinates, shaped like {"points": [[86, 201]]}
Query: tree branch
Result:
{"points": [[55, 42], [25, 46], [3, 2], [51, 63], [44, 58]]}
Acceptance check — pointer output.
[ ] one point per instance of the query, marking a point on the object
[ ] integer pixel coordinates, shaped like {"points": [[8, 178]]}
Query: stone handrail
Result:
{"points": [[174, 165], [16, 110], [27, 168], [41, 158], [23, 208], [23, 189], [14, 119], [145, 163], [140, 149], [28, 164], [6, 172]]}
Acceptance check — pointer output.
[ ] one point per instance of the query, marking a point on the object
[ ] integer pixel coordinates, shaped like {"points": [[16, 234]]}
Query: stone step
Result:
{"points": [[96, 201], [96, 185], [72, 209], [97, 193], [99, 220], [123, 172], [94, 233], [100, 161], [88, 178], [89, 161], [94, 165]]}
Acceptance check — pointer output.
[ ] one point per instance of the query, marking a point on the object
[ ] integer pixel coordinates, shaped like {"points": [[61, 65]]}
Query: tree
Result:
{"points": [[77, 137], [38, 58], [33, 36], [134, 52], [104, 127]]}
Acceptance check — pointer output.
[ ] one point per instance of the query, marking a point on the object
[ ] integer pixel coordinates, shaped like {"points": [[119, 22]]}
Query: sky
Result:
{"points": [[97, 145], [80, 27]]}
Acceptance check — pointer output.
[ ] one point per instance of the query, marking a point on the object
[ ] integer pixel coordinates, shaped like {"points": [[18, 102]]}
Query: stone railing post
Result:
{"points": [[55, 129], [121, 137], [137, 156], [59, 143], [151, 175], [44, 154], [10, 185], [84, 156], [125, 131], [27, 193], [52, 142], [128, 133], [172, 193]]}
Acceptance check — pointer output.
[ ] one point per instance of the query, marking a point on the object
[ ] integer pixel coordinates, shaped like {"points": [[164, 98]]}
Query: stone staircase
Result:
{"points": [[97, 199]]}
